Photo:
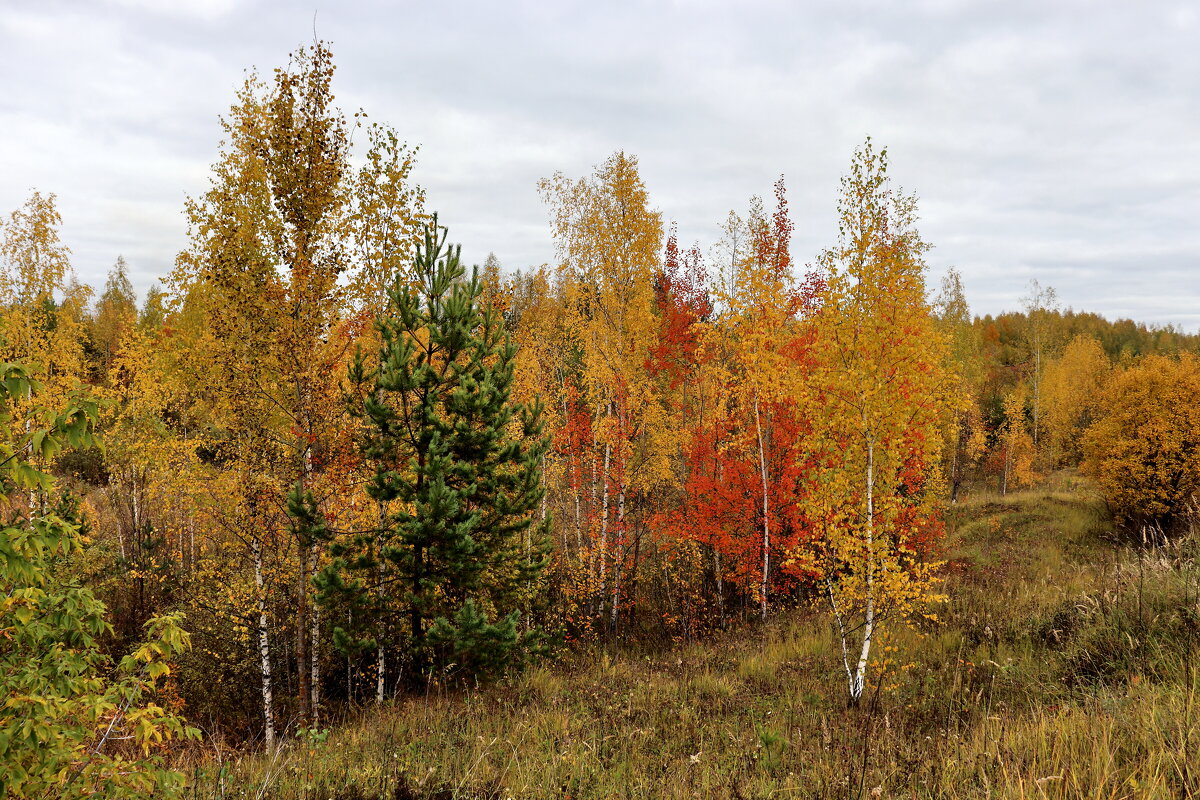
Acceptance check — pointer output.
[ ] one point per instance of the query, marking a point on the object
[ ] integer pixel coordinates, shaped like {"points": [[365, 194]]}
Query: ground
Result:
{"points": [[1064, 664]]}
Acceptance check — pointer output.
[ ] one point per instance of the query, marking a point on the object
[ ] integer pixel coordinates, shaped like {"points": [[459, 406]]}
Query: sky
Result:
{"points": [[1056, 141]]}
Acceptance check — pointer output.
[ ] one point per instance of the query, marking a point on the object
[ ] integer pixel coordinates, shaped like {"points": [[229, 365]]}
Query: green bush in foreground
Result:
{"points": [[67, 730]]}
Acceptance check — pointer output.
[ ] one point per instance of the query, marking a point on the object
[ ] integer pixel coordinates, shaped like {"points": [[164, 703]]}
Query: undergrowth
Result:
{"points": [[1064, 665]]}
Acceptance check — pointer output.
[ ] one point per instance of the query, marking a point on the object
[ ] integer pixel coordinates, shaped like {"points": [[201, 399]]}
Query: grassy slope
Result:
{"points": [[1062, 668]]}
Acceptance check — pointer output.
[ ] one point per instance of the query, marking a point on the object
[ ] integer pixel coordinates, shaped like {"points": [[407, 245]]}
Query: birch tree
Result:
{"points": [[291, 249], [882, 387]]}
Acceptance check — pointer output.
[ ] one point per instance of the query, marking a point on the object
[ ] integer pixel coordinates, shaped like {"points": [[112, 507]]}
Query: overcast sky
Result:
{"points": [[1056, 141]]}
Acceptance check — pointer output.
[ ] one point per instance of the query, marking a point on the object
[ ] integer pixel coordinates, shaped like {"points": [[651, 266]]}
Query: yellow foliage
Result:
{"points": [[1015, 442], [1072, 388], [1144, 450], [881, 381]]}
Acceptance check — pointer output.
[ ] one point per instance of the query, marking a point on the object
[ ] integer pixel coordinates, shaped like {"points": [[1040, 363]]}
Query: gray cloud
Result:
{"points": [[1047, 140]]}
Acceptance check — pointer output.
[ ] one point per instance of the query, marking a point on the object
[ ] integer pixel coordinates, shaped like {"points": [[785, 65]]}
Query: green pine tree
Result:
{"points": [[457, 552]]}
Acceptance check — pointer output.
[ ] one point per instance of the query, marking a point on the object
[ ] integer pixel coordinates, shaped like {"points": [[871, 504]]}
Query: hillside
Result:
{"points": [[1063, 665]]}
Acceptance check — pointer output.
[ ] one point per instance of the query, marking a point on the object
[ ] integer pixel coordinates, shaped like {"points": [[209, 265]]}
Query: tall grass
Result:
{"points": [[1064, 667]]}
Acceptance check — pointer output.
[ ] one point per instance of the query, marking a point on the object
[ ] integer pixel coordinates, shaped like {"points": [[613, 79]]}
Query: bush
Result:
{"points": [[66, 728], [1144, 451]]}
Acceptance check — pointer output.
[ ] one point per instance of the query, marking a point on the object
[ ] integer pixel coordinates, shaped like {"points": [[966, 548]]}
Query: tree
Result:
{"points": [[65, 710], [116, 313], [1144, 450], [966, 438], [609, 241], [767, 355], [880, 381], [457, 477], [153, 314], [34, 259], [1073, 388], [1016, 447], [1041, 305], [746, 467], [43, 306], [289, 250]]}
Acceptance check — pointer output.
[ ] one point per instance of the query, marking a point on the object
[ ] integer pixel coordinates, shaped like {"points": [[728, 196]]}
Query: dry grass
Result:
{"points": [[1064, 668]]}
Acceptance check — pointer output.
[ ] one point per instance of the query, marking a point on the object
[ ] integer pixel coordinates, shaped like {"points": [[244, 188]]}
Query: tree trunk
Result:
{"points": [[264, 649], [303, 692], [380, 671], [633, 575], [603, 554], [1037, 390], [619, 558], [766, 539], [860, 672], [595, 555], [314, 656]]}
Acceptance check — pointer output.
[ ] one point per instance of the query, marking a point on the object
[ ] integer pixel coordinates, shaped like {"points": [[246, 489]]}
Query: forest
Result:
{"points": [[326, 480]]}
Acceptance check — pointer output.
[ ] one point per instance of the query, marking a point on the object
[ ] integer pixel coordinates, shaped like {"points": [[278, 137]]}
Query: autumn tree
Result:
{"points": [[290, 249], [43, 307], [745, 454], [965, 434], [1041, 306], [1144, 449], [880, 377], [609, 241], [116, 313], [36, 263], [1073, 388], [1015, 447]]}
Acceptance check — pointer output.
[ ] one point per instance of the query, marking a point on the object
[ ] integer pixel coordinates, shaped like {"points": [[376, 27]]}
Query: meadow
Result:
{"points": [[1063, 665]]}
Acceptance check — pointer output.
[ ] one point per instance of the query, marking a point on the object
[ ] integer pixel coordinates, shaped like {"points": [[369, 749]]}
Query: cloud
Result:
{"points": [[1047, 140]]}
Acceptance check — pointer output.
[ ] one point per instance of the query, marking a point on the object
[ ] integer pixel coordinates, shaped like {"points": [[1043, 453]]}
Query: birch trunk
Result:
{"points": [[860, 672], [618, 558], [603, 554], [766, 540], [717, 557], [592, 568], [314, 659], [380, 657], [302, 622], [381, 668], [264, 649]]}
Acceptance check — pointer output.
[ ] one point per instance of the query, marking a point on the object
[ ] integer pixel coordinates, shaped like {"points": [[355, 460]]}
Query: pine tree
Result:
{"points": [[457, 476]]}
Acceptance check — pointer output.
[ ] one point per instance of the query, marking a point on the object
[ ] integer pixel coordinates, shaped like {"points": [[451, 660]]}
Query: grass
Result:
{"points": [[1064, 667]]}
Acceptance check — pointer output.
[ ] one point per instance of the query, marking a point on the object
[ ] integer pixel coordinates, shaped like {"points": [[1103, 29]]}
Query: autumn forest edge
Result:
{"points": [[327, 465]]}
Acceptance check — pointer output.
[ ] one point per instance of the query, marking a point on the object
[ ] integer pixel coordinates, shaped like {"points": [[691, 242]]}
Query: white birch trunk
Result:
{"points": [[603, 555], [264, 649], [860, 672], [380, 656], [766, 540], [314, 660], [841, 625], [592, 569], [1037, 390], [717, 560], [381, 667], [619, 557]]}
